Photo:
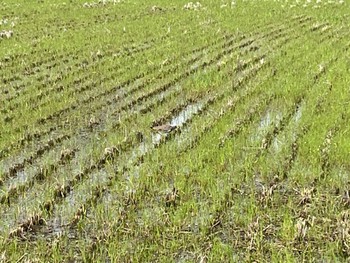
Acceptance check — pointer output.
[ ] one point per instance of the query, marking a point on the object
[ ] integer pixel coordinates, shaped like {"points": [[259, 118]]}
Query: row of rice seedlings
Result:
{"points": [[334, 149], [42, 172], [71, 70], [216, 219], [312, 104], [321, 147], [240, 218], [58, 97], [272, 194], [230, 133], [212, 226], [195, 134], [81, 194], [312, 86], [266, 121], [293, 114], [38, 68], [91, 19], [335, 103]]}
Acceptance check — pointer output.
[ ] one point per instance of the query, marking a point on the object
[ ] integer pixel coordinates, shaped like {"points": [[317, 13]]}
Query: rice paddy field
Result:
{"points": [[174, 131]]}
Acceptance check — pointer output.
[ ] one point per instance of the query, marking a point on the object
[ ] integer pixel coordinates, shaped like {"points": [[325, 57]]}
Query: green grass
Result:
{"points": [[257, 173]]}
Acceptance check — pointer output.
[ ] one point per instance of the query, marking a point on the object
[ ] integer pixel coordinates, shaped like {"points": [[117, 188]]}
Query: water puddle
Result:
{"points": [[156, 137], [265, 124], [82, 192], [265, 121], [269, 119], [57, 227], [10, 161], [142, 149], [186, 114], [298, 114], [280, 140], [21, 178]]}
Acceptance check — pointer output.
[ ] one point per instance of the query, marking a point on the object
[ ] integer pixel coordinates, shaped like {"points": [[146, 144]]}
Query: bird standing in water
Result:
{"points": [[164, 128]]}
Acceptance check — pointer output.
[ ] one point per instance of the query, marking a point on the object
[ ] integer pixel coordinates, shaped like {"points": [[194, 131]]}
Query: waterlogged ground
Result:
{"points": [[172, 131]]}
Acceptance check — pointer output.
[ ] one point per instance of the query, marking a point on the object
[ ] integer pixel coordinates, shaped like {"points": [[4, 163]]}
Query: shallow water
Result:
{"points": [[186, 114]]}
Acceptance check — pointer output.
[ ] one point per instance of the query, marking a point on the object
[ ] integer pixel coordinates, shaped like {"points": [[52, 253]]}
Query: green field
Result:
{"points": [[168, 131]]}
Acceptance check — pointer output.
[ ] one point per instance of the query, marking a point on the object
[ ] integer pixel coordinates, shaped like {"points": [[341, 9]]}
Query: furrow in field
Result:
{"points": [[79, 213], [51, 57], [64, 189], [194, 138], [229, 133], [81, 65], [282, 121], [220, 220]]}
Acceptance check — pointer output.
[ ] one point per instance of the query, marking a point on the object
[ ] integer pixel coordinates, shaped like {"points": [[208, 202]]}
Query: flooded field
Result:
{"points": [[174, 131]]}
